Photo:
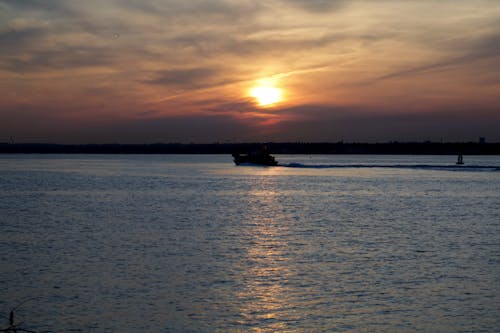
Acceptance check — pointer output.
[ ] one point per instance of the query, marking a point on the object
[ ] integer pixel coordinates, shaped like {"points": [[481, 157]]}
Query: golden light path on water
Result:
{"points": [[264, 298], [277, 290]]}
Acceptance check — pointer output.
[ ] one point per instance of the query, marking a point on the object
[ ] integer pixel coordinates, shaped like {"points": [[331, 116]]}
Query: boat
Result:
{"points": [[258, 157]]}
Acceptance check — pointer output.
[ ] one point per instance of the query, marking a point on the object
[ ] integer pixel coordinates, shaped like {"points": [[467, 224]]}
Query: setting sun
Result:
{"points": [[266, 95]]}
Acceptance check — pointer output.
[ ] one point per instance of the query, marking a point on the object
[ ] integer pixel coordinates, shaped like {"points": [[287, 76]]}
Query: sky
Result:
{"points": [[131, 71]]}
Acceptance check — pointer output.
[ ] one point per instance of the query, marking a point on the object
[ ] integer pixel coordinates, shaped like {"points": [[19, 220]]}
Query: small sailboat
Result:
{"points": [[460, 159]]}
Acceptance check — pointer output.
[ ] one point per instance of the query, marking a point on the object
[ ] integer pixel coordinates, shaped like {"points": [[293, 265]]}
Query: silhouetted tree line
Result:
{"points": [[413, 148]]}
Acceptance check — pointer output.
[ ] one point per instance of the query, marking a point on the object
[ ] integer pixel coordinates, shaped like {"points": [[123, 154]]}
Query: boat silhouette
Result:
{"points": [[258, 157]]}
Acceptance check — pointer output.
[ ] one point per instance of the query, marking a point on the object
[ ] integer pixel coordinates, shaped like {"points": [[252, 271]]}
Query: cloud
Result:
{"points": [[35, 5], [200, 128], [14, 39], [465, 54], [317, 6], [64, 58], [200, 10], [300, 123], [485, 47], [46, 35], [187, 78], [365, 124], [61, 129], [235, 107]]}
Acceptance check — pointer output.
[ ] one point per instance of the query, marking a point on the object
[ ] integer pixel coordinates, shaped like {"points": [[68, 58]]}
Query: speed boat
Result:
{"points": [[260, 157]]}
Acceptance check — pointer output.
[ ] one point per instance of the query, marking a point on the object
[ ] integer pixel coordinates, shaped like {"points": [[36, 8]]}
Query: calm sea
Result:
{"points": [[166, 243]]}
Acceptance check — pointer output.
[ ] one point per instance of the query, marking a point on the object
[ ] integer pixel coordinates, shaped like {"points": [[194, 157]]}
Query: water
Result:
{"points": [[120, 243]]}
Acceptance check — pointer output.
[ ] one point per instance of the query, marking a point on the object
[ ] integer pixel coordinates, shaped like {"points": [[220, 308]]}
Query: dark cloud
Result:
{"points": [[200, 128], [62, 58], [317, 6], [40, 35], [212, 44], [303, 123], [224, 107], [13, 39], [200, 11], [437, 66], [59, 129], [465, 53], [487, 46], [49, 6], [186, 78], [323, 123], [196, 78]]}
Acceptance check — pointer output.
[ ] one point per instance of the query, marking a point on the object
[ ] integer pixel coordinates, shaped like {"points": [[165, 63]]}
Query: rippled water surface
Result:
{"points": [[195, 244]]}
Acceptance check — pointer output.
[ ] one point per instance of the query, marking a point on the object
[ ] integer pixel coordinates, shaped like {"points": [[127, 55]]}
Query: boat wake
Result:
{"points": [[394, 166]]}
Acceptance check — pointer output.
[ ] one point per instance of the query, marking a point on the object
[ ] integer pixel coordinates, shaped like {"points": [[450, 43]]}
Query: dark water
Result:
{"points": [[195, 244]]}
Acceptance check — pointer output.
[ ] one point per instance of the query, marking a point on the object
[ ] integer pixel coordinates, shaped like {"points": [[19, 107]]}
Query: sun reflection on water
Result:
{"points": [[264, 299]]}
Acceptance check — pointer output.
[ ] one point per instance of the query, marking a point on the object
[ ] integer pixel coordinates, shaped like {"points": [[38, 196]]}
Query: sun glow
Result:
{"points": [[266, 95]]}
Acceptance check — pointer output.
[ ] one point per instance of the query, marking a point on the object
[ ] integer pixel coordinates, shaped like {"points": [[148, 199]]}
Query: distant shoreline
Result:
{"points": [[391, 148]]}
